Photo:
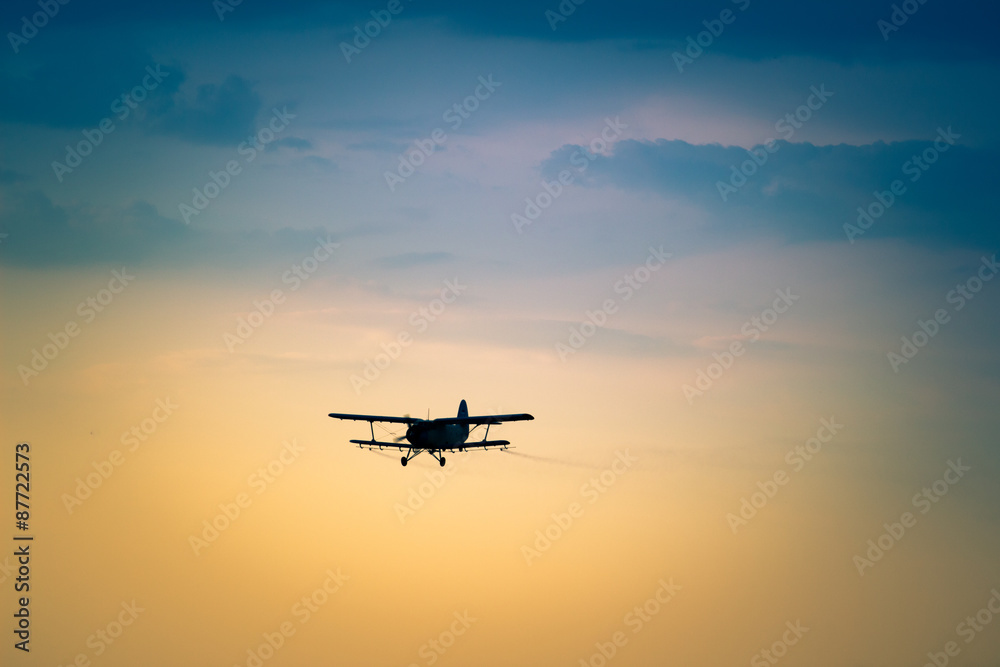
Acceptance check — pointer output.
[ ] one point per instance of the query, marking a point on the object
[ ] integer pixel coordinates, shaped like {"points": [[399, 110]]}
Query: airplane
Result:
{"points": [[435, 436]]}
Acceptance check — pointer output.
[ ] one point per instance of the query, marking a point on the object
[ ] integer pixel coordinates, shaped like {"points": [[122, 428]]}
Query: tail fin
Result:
{"points": [[463, 409]]}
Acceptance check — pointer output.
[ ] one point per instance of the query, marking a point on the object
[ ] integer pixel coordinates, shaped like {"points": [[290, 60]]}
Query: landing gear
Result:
{"points": [[413, 452]]}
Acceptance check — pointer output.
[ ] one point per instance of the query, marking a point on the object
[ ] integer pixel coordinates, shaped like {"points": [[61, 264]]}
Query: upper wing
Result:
{"points": [[376, 418], [486, 419]]}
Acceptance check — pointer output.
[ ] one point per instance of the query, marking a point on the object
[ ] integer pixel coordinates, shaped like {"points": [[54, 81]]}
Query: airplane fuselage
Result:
{"points": [[432, 435]]}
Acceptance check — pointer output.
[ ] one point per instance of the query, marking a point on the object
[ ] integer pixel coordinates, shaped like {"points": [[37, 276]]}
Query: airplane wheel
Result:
{"points": [[442, 461], [403, 461]]}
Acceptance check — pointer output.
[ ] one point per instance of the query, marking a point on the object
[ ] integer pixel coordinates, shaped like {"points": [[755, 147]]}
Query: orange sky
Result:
{"points": [[470, 542]]}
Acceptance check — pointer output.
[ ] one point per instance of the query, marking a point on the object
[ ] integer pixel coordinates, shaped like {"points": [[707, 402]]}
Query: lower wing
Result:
{"points": [[481, 444], [376, 418]]}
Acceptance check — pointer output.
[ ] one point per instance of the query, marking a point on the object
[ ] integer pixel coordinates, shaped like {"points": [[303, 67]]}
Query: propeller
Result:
{"points": [[401, 438]]}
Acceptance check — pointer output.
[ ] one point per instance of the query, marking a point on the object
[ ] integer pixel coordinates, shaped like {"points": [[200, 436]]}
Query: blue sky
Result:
{"points": [[221, 79]]}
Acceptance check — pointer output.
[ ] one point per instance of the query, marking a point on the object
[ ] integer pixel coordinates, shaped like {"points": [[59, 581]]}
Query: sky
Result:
{"points": [[737, 259]]}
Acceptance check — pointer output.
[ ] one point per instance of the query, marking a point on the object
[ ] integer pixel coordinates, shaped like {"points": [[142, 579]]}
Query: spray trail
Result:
{"points": [[545, 459]]}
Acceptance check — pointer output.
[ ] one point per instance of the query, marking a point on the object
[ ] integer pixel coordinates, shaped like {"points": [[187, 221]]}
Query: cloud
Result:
{"points": [[120, 81], [220, 114], [806, 192], [8, 176], [408, 260], [41, 233], [294, 143], [321, 163], [379, 146], [76, 85]]}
